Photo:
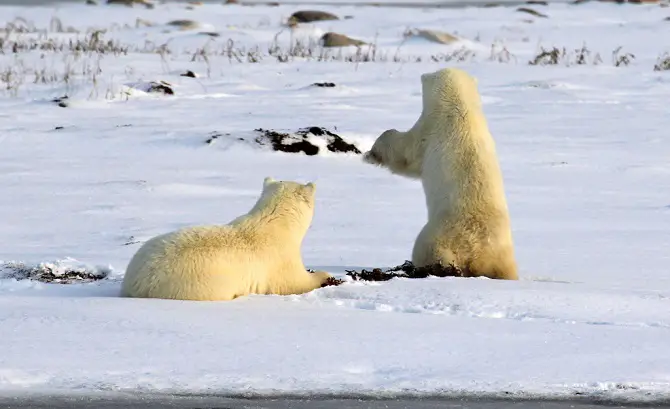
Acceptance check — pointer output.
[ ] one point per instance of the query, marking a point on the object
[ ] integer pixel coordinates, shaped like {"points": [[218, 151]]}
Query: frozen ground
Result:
{"points": [[584, 151]]}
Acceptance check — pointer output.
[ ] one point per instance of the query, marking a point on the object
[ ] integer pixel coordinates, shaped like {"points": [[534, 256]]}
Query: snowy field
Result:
{"points": [[583, 145]]}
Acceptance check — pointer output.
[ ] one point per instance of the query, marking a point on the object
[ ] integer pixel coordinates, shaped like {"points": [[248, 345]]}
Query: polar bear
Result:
{"points": [[451, 150], [257, 253]]}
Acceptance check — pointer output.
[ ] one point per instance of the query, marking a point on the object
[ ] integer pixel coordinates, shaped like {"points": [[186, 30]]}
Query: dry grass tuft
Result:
{"points": [[662, 62]]}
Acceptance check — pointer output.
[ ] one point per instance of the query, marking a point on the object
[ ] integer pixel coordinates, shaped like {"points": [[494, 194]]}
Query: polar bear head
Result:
{"points": [[292, 202], [449, 88]]}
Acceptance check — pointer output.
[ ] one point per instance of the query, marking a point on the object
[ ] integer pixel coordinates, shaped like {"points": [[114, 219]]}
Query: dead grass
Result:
{"points": [[32, 56], [500, 53], [563, 56], [662, 62], [621, 59]]}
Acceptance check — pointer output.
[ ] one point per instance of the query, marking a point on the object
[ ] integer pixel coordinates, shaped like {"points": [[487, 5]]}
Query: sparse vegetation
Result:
{"points": [[77, 59], [619, 59], [662, 62], [501, 54], [556, 56]]}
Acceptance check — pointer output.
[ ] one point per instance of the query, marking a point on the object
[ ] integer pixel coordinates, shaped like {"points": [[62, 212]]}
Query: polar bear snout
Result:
{"points": [[372, 158]]}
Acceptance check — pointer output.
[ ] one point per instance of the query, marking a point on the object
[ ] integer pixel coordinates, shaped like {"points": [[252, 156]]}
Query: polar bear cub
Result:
{"points": [[257, 253], [451, 150]]}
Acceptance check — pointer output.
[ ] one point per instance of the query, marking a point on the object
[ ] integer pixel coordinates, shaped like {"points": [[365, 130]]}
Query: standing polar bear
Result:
{"points": [[257, 253], [451, 150]]}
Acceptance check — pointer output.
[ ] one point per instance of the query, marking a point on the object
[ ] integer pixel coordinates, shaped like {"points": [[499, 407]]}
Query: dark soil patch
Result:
{"points": [[324, 84], [48, 273], [161, 87], [406, 270], [299, 141], [213, 136], [189, 74], [61, 101], [332, 281], [532, 12]]}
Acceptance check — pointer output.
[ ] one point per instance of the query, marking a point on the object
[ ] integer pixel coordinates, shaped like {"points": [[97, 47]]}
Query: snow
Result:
{"points": [[583, 148]]}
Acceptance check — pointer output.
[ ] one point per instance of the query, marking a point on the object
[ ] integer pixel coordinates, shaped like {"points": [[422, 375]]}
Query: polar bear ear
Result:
{"points": [[310, 187], [268, 181]]}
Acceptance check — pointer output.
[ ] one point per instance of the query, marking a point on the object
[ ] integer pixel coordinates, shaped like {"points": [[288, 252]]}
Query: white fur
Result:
{"points": [[451, 150], [257, 253]]}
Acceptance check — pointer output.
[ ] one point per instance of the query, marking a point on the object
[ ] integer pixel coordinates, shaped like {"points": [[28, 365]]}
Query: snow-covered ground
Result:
{"points": [[584, 151]]}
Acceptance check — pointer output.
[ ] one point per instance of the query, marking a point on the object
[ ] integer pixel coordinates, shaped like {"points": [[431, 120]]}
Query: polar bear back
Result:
{"points": [[258, 253], [460, 154], [198, 263], [468, 214]]}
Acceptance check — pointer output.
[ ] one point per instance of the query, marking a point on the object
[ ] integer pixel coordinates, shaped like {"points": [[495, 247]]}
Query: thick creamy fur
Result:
{"points": [[257, 253], [451, 150]]}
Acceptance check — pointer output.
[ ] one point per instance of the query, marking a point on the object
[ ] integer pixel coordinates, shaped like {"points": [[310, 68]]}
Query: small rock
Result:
{"points": [[231, 2], [537, 2], [308, 16], [331, 39], [531, 12], [195, 3], [209, 33], [189, 74], [433, 35], [184, 24], [131, 3], [91, 2], [58, 128]]}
